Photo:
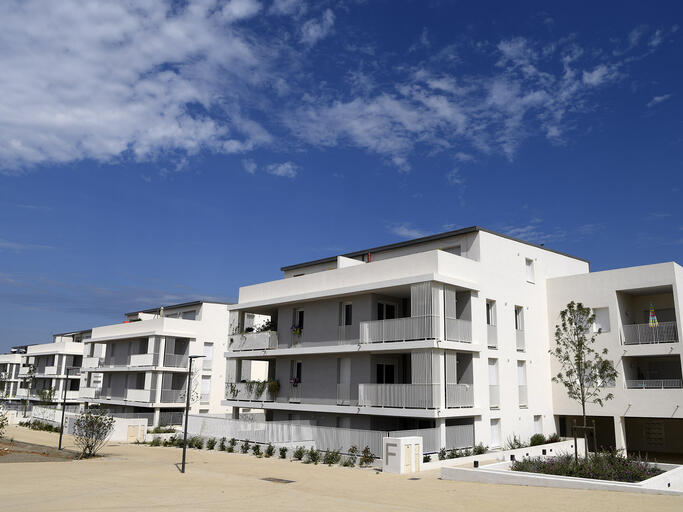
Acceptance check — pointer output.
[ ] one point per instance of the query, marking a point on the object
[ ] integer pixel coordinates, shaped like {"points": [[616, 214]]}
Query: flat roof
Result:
{"points": [[181, 305], [429, 238]]}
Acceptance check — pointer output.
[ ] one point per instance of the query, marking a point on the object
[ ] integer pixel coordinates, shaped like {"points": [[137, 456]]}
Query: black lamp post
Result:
{"points": [[66, 383], [187, 408]]}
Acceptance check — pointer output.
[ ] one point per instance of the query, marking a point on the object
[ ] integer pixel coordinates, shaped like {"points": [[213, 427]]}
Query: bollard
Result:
{"points": [[476, 463]]}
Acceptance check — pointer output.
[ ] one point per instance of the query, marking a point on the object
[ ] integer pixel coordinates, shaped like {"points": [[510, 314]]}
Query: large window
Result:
{"points": [[346, 313], [385, 373], [490, 312], [299, 319], [386, 311], [601, 319], [519, 318]]}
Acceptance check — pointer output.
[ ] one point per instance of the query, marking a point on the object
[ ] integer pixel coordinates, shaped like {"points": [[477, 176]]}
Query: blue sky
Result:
{"points": [[163, 151]]}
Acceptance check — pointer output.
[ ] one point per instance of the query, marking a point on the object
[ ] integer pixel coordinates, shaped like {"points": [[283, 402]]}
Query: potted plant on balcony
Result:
{"points": [[273, 387]]}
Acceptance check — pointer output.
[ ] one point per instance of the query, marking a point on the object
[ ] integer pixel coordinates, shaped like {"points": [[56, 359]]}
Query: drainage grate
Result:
{"points": [[277, 480]]}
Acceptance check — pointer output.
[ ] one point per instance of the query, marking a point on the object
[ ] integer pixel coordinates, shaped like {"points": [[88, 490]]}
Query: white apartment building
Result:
{"points": [[140, 367], [646, 414], [9, 376], [446, 332]]}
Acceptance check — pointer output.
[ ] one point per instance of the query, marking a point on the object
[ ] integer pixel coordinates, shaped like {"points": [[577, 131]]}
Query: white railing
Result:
{"points": [[637, 334], [459, 395], [654, 384], [139, 395], [492, 336], [494, 395], [400, 329], [175, 360], [431, 438], [253, 341], [141, 360], [344, 394], [520, 340], [249, 392], [89, 392], [458, 330], [49, 370], [92, 362], [172, 396], [416, 396], [295, 392], [523, 400]]}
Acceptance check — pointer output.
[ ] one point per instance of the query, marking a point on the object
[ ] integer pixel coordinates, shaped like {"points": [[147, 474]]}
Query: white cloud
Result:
{"points": [[249, 166], [314, 30], [20, 246], [236, 10], [288, 7], [286, 169], [406, 230], [599, 76], [658, 99], [455, 178]]}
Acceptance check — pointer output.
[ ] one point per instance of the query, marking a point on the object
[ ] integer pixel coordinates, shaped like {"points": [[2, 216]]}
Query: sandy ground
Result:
{"points": [[132, 477]]}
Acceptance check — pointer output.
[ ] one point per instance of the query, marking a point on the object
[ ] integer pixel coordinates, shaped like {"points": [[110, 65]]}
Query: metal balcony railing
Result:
{"points": [[410, 396], [400, 329], [249, 392], [344, 394], [654, 384], [459, 395], [172, 396], [175, 360], [458, 329], [638, 334], [253, 341]]}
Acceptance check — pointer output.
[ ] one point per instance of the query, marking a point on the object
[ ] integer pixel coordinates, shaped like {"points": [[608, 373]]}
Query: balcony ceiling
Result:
{"points": [[652, 290]]}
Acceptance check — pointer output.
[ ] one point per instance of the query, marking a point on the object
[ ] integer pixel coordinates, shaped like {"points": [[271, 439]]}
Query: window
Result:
{"points": [[455, 249], [345, 313], [601, 319], [139, 381], [190, 315], [495, 433], [299, 319], [493, 372], [538, 424], [208, 351], [295, 371], [519, 318], [529, 263], [385, 373], [521, 383], [490, 312], [386, 311], [206, 388]]}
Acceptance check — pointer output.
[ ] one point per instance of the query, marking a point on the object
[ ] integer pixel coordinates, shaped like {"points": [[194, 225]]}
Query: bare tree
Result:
{"points": [[583, 370], [91, 431]]}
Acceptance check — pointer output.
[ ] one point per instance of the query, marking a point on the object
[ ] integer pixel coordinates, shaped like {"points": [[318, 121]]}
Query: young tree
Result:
{"points": [[3, 421], [91, 431], [583, 370]]}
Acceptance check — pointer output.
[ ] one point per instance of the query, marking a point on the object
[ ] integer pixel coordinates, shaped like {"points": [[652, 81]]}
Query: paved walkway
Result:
{"points": [[141, 477]]}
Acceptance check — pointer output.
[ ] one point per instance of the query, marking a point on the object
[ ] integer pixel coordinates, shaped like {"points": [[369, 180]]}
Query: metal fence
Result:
{"points": [[637, 334], [400, 329], [418, 396], [654, 384]]}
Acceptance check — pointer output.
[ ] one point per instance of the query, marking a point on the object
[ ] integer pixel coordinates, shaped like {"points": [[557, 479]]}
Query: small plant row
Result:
{"points": [[40, 425], [455, 453], [515, 441], [161, 430], [300, 453]]}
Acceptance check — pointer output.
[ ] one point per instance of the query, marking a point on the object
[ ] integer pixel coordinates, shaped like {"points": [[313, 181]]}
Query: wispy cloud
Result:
{"points": [[658, 99], [249, 166], [20, 246], [406, 230], [286, 169], [316, 29]]}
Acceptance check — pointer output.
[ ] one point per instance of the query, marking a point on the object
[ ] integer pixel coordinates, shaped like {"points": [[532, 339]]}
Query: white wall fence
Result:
{"points": [[323, 438]]}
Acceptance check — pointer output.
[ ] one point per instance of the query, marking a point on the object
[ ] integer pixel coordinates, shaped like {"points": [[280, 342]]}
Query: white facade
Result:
{"points": [[9, 375], [418, 351]]}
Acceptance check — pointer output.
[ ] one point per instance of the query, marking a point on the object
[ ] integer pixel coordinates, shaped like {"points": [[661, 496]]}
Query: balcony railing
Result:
{"points": [[295, 392], [638, 334], [172, 396], [411, 396], [253, 341], [348, 334], [139, 395], [491, 336], [458, 330], [344, 394], [523, 398], [459, 395], [141, 359], [520, 340], [494, 396], [124, 360], [654, 384], [92, 362], [399, 329], [48, 370], [175, 360], [250, 392]]}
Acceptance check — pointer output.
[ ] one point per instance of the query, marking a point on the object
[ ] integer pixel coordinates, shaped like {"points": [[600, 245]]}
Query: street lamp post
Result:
{"points": [[61, 429], [187, 408]]}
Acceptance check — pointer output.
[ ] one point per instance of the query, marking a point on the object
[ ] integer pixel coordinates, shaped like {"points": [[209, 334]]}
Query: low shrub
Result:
{"points": [[349, 462], [312, 456], [156, 441], [452, 454], [39, 425], [332, 457], [426, 458], [161, 430], [270, 450], [283, 452], [366, 457], [442, 454], [196, 442], [515, 442], [479, 449], [178, 442], [554, 438], [244, 448], [211, 443], [256, 450], [537, 439], [608, 465], [222, 446], [353, 456], [299, 453]]}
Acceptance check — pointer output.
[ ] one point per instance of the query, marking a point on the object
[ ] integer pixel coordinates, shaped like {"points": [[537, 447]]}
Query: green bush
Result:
{"points": [[353, 456], [39, 425], [156, 441], [442, 454], [3, 424], [609, 465], [332, 457], [554, 438], [514, 442], [179, 442], [196, 442], [299, 453], [479, 449], [270, 450], [256, 450], [426, 458], [221, 445], [232, 442], [244, 448], [312, 456], [366, 457], [537, 439], [283, 452], [452, 454], [161, 430], [211, 443]]}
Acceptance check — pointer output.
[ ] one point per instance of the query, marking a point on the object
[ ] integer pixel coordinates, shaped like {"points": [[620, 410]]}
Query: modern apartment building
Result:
{"points": [[140, 367], [646, 414], [443, 331], [9, 375]]}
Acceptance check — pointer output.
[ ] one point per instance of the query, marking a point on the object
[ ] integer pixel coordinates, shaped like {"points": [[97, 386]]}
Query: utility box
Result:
{"points": [[401, 454]]}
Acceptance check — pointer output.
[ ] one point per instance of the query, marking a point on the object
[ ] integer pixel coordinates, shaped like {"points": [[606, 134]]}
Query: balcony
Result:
{"points": [[400, 329], [520, 340], [523, 396], [638, 334], [48, 370], [173, 396], [494, 396], [142, 359], [409, 396], [491, 336], [253, 341], [175, 327], [175, 360], [139, 395], [92, 362], [250, 392], [344, 394], [458, 329], [90, 392], [655, 384], [459, 395]]}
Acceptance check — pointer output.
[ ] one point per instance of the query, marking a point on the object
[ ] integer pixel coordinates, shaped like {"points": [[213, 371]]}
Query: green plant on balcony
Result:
{"points": [[266, 326], [232, 389], [273, 387]]}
